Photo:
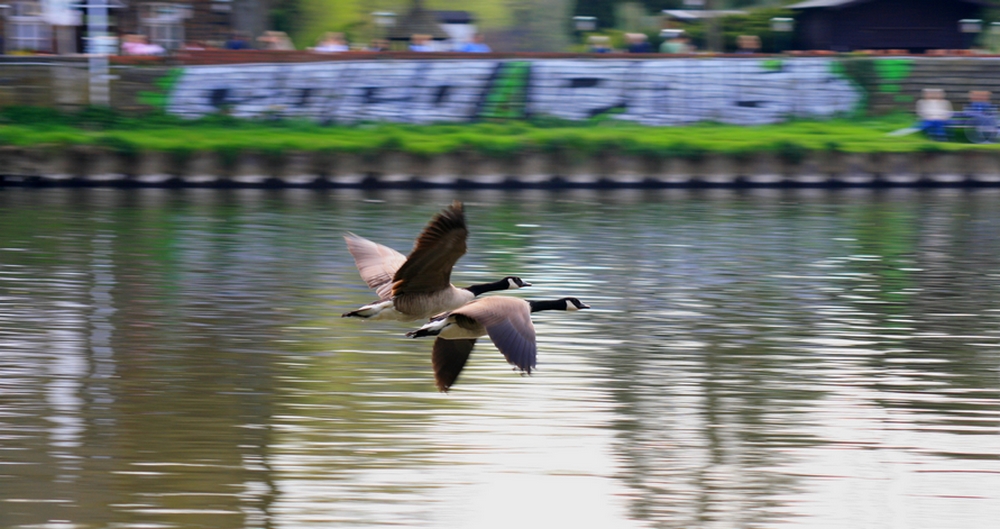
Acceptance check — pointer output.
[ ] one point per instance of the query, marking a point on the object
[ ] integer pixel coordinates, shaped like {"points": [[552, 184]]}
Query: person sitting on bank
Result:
{"points": [[600, 44], [676, 44], [331, 42], [238, 41], [979, 104], [934, 112], [638, 43], [747, 44], [476, 45], [421, 42], [276, 40], [378, 45]]}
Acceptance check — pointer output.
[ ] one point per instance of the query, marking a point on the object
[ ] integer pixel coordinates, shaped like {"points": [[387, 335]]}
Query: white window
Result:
{"points": [[164, 23], [26, 8], [170, 36], [25, 28]]}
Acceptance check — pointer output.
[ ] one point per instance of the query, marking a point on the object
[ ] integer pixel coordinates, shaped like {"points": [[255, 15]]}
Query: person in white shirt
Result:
{"points": [[332, 43], [934, 111]]}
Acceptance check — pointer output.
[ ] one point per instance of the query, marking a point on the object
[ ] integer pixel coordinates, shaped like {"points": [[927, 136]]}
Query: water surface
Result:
{"points": [[753, 359]]}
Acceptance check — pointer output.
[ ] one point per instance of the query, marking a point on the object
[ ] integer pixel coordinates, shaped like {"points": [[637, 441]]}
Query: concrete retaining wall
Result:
{"points": [[98, 166]]}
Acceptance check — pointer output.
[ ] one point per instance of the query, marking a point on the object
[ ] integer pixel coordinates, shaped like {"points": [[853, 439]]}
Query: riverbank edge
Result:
{"points": [[96, 166]]}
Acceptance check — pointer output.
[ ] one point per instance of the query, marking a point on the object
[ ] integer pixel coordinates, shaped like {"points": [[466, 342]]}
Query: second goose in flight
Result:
{"points": [[418, 286], [505, 319]]}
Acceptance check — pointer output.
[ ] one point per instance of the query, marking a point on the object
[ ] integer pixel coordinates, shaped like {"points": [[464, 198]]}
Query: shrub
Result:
{"points": [[120, 146], [789, 151], [685, 151]]}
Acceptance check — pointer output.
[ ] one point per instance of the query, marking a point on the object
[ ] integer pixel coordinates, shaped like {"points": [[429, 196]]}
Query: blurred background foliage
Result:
{"points": [[518, 25], [542, 25], [608, 12], [756, 22]]}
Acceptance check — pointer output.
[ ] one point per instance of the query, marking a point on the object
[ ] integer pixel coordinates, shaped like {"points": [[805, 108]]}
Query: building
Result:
{"points": [[914, 25], [58, 26], [695, 15]]}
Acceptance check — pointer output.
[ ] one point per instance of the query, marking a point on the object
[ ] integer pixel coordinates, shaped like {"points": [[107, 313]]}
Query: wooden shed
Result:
{"points": [[915, 25]]}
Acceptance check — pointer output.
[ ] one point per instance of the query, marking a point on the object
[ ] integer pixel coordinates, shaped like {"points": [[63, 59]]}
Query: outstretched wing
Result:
{"points": [[508, 323], [378, 264], [448, 359], [516, 343], [438, 248]]}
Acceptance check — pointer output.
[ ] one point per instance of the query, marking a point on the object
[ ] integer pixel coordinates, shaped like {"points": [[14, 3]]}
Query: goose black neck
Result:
{"points": [[549, 304], [488, 287]]}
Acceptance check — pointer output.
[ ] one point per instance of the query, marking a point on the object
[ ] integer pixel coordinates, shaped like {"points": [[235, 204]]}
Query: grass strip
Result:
{"points": [[26, 126]]}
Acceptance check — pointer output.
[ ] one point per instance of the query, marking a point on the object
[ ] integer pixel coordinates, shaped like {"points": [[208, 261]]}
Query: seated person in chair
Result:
{"points": [[979, 117], [934, 111], [979, 104]]}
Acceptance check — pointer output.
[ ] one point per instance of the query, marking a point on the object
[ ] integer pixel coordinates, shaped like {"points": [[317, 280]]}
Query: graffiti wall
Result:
{"points": [[648, 91]]}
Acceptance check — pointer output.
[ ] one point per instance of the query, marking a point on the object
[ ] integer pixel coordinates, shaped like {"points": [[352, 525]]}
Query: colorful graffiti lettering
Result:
{"points": [[655, 92], [159, 98], [507, 95]]}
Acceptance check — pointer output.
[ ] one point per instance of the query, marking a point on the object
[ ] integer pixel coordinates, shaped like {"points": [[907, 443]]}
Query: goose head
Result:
{"points": [[575, 304], [558, 304], [507, 283], [514, 282]]}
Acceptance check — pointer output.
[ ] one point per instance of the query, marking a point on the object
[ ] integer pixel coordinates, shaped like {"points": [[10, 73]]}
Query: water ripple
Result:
{"points": [[175, 358]]}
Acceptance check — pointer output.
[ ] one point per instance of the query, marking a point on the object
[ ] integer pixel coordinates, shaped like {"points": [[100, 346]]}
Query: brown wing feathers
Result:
{"points": [[427, 269], [438, 248], [448, 359], [376, 263]]}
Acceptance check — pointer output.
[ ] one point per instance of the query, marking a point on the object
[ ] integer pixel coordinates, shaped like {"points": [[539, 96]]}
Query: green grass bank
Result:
{"points": [[26, 127]]}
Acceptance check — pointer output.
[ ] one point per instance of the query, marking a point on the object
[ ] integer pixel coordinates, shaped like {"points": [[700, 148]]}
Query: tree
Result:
{"points": [[285, 15], [540, 25], [604, 10]]}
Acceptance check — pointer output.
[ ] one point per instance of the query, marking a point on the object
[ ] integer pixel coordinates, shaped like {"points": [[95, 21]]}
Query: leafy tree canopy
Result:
{"points": [[604, 10]]}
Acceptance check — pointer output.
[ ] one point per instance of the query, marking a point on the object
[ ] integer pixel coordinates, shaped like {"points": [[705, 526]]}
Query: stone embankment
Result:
{"points": [[104, 167]]}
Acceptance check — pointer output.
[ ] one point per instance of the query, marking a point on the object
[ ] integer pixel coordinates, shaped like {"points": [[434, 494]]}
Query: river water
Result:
{"points": [[753, 359]]}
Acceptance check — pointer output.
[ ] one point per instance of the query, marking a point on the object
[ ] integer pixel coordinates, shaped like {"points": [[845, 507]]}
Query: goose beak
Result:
{"points": [[584, 306]]}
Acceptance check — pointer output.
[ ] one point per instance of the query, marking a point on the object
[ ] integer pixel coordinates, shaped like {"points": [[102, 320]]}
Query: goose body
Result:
{"points": [[506, 320], [418, 286]]}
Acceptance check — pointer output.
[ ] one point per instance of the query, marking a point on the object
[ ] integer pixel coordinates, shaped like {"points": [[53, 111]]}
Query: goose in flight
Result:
{"points": [[418, 286], [505, 319]]}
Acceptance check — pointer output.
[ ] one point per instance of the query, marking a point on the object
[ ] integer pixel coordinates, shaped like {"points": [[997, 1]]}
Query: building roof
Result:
{"points": [[820, 3], [810, 4], [698, 14], [454, 17]]}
